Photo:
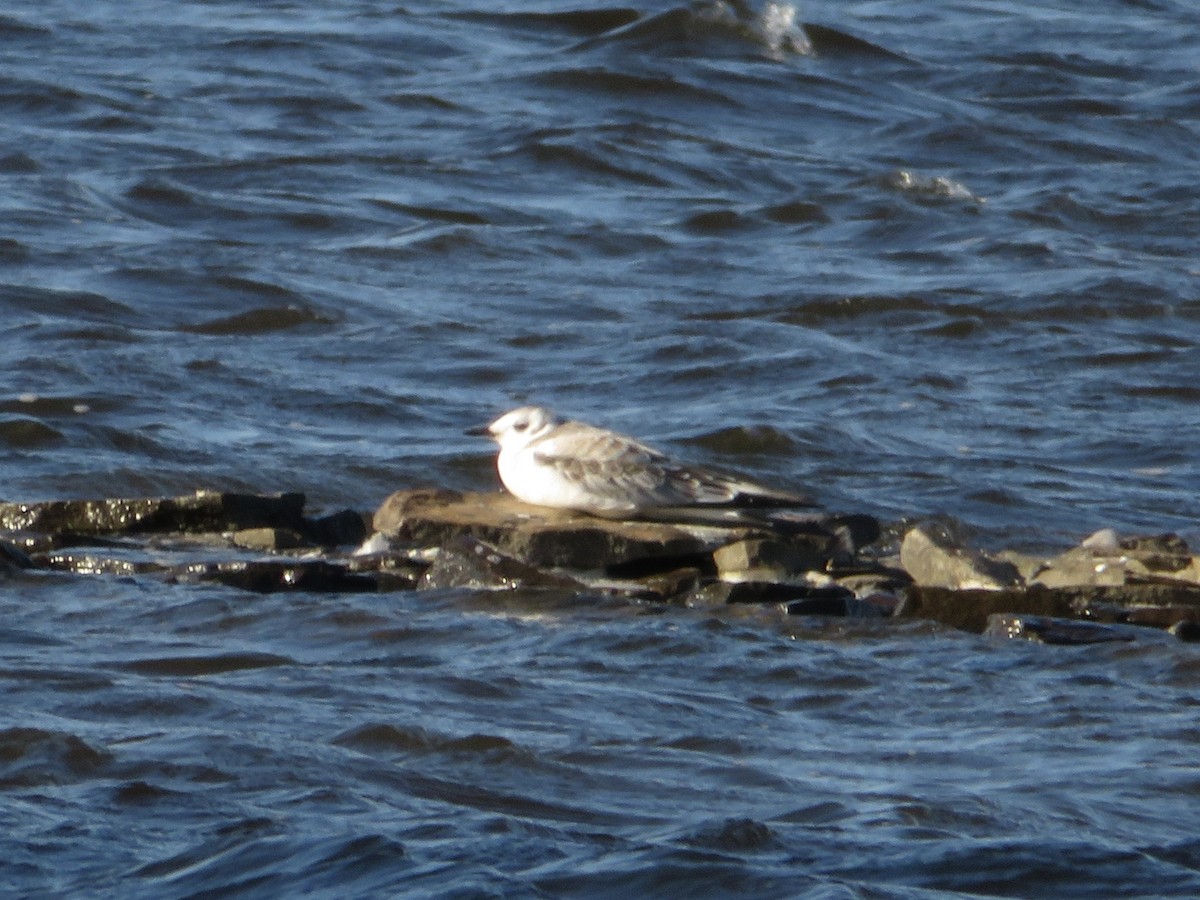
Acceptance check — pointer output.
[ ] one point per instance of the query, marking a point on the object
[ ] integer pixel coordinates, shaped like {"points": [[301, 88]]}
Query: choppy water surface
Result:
{"points": [[922, 258]]}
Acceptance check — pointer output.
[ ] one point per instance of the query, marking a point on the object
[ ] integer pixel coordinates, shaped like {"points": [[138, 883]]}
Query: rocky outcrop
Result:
{"points": [[559, 539], [1107, 588], [1150, 581]]}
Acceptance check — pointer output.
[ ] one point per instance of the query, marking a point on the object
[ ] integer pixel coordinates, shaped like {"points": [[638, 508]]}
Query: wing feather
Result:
{"points": [[626, 476]]}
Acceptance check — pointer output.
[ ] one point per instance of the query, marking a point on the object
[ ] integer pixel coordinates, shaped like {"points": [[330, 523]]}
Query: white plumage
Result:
{"points": [[570, 465]]}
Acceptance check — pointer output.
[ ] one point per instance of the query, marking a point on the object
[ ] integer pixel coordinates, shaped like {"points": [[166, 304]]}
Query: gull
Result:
{"points": [[548, 461]]}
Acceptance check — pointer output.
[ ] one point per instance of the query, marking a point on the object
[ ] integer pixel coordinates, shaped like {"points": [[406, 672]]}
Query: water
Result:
{"points": [[945, 268]]}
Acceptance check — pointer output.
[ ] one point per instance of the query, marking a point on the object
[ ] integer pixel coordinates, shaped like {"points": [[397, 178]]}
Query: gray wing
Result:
{"points": [[627, 476]]}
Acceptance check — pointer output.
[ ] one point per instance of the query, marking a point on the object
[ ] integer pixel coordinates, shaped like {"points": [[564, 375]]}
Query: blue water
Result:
{"points": [[922, 259]]}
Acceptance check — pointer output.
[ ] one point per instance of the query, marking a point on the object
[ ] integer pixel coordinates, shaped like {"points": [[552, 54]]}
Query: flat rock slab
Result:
{"points": [[545, 537]]}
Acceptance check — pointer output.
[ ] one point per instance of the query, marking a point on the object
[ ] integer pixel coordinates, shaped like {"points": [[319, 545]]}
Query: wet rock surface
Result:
{"points": [[1107, 588], [1046, 630]]}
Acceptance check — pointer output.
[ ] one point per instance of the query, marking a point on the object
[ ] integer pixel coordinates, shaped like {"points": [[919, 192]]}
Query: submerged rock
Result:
{"points": [[1047, 630], [270, 576], [13, 558], [1185, 631]]}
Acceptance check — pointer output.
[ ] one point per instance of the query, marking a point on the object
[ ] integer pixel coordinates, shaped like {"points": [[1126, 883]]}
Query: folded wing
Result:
{"points": [[627, 477]]}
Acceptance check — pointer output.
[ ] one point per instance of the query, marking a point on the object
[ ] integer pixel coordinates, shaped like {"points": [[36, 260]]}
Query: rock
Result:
{"points": [[1162, 616], [872, 579], [938, 561], [1105, 559], [1027, 565], [1104, 541], [1087, 599], [466, 562], [392, 513], [341, 529], [969, 609], [726, 592], [83, 562], [1049, 630], [1159, 553], [391, 570], [549, 538], [202, 511], [853, 531], [1185, 631], [266, 577], [772, 559], [826, 602], [673, 586], [1080, 566], [13, 559], [269, 539], [1147, 614]]}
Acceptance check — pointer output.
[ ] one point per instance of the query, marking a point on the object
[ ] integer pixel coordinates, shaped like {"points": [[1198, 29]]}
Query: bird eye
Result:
{"points": [[520, 426]]}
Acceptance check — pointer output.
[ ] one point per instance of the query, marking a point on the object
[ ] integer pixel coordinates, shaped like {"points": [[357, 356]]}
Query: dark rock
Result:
{"points": [[1186, 631], [667, 586], [202, 511], [34, 756], [935, 559], [725, 592], [13, 558], [466, 562], [341, 529], [1162, 616], [544, 537], [855, 531], [969, 609], [1152, 615], [266, 577], [1170, 593], [880, 603], [391, 571], [1049, 630]]}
